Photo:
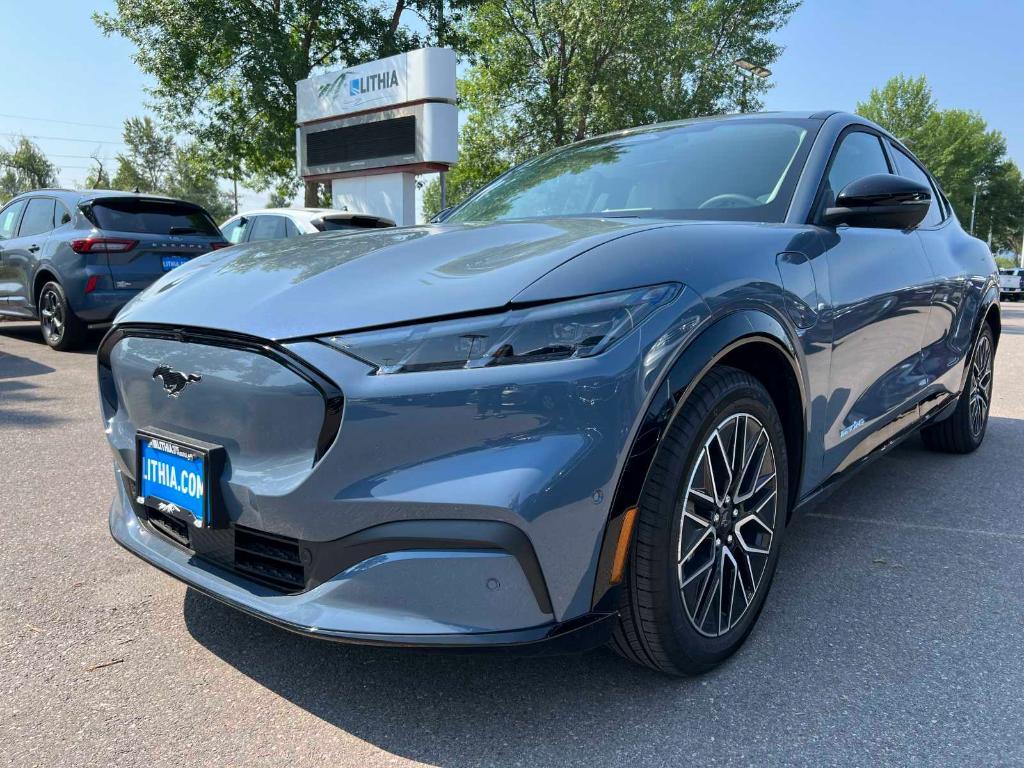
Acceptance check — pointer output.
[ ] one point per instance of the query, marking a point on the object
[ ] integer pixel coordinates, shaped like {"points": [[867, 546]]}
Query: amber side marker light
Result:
{"points": [[622, 547]]}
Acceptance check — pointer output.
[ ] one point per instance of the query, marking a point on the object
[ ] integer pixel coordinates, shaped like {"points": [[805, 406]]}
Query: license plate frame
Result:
{"points": [[206, 514]]}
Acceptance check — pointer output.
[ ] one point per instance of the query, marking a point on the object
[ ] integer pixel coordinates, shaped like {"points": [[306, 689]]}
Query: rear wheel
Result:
{"points": [[62, 329], [710, 524], [964, 430]]}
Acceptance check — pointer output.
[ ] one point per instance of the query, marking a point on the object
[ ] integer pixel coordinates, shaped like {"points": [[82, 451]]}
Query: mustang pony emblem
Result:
{"points": [[174, 381]]}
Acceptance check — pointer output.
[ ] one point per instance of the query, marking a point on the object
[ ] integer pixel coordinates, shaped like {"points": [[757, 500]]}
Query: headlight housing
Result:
{"points": [[558, 331]]}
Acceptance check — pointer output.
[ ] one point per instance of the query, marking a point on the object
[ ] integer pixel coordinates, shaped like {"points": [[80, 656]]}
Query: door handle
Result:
{"points": [[33, 248]]}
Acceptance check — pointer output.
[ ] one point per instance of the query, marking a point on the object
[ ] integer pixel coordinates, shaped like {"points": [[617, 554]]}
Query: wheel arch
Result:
{"points": [[750, 340], [993, 316], [43, 275]]}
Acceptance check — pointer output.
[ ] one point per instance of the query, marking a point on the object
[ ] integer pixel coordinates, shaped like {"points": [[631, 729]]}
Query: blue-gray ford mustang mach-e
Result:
{"points": [[581, 409]]}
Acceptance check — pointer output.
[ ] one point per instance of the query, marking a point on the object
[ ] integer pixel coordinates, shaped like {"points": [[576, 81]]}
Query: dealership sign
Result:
{"points": [[427, 74]]}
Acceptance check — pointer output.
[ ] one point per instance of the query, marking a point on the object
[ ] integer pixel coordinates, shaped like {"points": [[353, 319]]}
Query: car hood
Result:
{"points": [[338, 281]]}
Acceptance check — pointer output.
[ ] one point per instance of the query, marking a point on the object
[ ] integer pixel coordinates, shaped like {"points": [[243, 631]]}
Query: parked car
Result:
{"points": [[1011, 283], [581, 409], [73, 258], [282, 223]]}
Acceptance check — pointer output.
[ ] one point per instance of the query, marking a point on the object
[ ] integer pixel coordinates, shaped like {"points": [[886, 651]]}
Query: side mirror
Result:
{"points": [[442, 215], [882, 200]]}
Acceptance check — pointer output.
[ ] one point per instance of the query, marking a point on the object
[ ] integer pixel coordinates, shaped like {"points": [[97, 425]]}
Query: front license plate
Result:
{"points": [[170, 262], [174, 478]]}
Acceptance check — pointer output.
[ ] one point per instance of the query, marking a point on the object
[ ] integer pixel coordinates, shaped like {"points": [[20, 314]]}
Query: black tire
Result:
{"points": [[963, 431], [62, 329], [655, 627]]}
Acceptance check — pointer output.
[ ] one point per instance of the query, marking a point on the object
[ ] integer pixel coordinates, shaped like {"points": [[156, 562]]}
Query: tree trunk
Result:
{"points": [[312, 198]]}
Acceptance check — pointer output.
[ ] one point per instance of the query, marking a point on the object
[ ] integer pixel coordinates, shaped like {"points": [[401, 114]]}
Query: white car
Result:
{"points": [[280, 223], [1011, 283]]}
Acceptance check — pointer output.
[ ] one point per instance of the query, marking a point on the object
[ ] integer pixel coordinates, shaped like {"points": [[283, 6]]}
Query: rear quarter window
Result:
{"points": [[154, 217]]}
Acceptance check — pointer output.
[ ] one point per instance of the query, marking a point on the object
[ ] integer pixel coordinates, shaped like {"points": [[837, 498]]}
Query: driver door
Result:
{"points": [[881, 286]]}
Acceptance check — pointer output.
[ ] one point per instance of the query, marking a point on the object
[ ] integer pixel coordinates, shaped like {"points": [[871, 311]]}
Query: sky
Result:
{"points": [[970, 50], [75, 88]]}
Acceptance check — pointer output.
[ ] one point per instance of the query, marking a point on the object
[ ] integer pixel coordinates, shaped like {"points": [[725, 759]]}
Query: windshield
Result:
{"points": [[153, 217], [725, 169]]}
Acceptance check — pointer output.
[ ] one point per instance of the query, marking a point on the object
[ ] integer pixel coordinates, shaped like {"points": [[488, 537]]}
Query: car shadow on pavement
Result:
{"points": [[18, 396], [827, 637], [29, 331]]}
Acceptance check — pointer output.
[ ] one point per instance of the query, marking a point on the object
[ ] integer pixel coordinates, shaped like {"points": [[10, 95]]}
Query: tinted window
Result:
{"points": [[859, 155], [268, 228], [716, 169], [38, 217], [293, 231], [154, 217], [907, 168], [9, 219], [328, 223]]}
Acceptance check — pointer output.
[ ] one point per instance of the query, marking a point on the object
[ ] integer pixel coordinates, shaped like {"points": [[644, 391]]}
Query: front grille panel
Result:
{"points": [[273, 560]]}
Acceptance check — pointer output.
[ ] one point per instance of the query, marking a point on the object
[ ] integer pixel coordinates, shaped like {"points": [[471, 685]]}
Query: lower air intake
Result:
{"points": [[272, 560]]}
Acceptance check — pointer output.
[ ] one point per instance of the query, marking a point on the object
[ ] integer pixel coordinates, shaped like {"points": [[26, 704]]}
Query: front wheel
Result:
{"points": [[710, 524], [964, 430], [62, 329]]}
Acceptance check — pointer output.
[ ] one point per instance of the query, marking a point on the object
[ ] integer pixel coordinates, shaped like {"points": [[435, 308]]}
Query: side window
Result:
{"points": [[9, 219], [38, 217], [268, 228], [906, 167], [234, 232], [61, 215], [860, 154], [292, 229]]}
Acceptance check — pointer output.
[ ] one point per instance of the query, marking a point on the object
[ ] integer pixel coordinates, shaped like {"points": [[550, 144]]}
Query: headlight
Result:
{"points": [[566, 329]]}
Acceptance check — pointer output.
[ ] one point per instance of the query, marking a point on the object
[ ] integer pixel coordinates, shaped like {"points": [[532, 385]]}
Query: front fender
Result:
{"points": [[708, 347]]}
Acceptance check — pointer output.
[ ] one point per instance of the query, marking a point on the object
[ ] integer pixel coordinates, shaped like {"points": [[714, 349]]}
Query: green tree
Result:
{"points": [[903, 106], [24, 168], [154, 163], [225, 70], [958, 147], [98, 176], [550, 72], [148, 159], [192, 176], [278, 200]]}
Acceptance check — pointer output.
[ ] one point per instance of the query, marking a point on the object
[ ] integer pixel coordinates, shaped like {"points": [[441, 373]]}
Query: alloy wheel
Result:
{"points": [[728, 524], [51, 311], [981, 385]]}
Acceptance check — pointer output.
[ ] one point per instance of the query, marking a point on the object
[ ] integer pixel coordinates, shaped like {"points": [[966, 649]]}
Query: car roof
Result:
{"points": [[84, 195], [734, 117], [307, 214]]}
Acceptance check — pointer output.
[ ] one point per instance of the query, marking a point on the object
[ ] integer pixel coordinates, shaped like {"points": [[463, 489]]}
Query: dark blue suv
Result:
{"points": [[74, 258]]}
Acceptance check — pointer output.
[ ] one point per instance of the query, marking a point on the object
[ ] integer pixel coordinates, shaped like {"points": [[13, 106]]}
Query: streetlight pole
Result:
{"points": [[1020, 260], [979, 186], [974, 204], [748, 71]]}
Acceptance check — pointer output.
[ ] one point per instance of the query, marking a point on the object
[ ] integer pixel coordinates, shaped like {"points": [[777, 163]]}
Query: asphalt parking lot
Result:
{"points": [[894, 634]]}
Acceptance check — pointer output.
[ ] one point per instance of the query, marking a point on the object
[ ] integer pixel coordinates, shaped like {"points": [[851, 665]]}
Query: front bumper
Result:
{"points": [[334, 610]]}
